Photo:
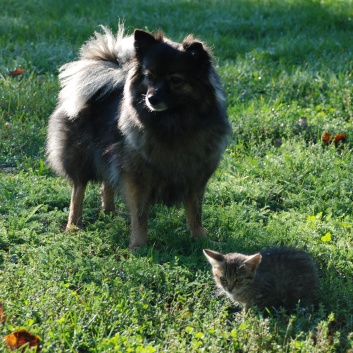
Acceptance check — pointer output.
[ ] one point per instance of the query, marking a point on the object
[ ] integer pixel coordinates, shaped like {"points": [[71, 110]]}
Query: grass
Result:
{"points": [[277, 184]]}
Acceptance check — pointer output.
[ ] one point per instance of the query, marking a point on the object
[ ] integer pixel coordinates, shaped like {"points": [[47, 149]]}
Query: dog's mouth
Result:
{"points": [[160, 107]]}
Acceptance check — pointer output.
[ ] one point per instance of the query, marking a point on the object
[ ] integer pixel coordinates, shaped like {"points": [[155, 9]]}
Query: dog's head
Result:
{"points": [[174, 75]]}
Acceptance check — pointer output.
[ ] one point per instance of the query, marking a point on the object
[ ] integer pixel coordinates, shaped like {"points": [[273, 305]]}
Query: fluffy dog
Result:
{"points": [[143, 115]]}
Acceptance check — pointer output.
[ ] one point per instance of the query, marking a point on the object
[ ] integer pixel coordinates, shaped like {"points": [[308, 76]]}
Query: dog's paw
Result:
{"points": [[72, 228], [198, 233], [134, 248], [114, 212]]}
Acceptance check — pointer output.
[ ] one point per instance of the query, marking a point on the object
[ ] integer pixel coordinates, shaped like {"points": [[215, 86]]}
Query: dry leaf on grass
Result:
{"points": [[328, 138], [16, 72], [20, 338]]}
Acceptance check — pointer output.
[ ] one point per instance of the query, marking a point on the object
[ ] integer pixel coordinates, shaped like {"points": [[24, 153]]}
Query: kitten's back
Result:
{"points": [[284, 277]]}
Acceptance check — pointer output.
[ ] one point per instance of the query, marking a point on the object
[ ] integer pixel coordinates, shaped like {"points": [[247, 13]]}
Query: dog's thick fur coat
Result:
{"points": [[143, 115]]}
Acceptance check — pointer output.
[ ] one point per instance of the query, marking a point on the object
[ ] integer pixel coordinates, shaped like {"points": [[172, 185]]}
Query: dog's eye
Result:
{"points": [[149, 76], [176, 81]]}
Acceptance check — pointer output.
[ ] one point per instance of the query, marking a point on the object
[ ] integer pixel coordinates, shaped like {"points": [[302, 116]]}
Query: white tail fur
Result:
{"points": [[102, 66]]}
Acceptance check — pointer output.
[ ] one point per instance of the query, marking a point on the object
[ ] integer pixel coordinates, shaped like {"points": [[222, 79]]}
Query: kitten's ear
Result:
{"points": [[214, 258], [253, 261], [143, 41]]}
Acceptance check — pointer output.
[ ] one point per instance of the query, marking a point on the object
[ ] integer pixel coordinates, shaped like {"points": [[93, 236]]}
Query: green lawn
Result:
{"points": [[277, 184]]}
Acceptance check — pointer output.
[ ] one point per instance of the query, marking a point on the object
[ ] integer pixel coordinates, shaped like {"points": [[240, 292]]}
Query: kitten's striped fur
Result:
{"points": [[277, 277]]}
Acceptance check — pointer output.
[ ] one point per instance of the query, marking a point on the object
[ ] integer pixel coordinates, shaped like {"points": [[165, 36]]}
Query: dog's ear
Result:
{"points": [[143, 41], [197, 49]]}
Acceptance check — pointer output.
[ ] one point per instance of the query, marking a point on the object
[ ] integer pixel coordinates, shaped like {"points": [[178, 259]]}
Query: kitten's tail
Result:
{"points": [[102, 67]]}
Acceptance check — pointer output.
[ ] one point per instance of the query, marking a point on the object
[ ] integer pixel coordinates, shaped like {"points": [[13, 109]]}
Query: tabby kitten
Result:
{"points": [[273, 278]]}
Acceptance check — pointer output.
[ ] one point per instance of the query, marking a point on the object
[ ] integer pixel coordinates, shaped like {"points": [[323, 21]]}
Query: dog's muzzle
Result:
{"points": [[154, 102]]}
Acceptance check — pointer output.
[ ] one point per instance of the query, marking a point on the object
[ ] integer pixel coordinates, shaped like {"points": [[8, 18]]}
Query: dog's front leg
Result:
{"points": [[139, 221], [76, 207], [193, 211], [137, 202]]}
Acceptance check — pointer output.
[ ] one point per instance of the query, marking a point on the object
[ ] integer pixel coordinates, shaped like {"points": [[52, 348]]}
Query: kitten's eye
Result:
{"points": [[239, 280], [223, 279]]}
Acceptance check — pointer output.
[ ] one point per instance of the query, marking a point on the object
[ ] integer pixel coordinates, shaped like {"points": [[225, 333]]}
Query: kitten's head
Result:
{"points": [[232, 272]]}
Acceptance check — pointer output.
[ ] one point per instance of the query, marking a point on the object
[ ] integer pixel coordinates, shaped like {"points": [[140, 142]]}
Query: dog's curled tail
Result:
{"points": [[102, 67]]}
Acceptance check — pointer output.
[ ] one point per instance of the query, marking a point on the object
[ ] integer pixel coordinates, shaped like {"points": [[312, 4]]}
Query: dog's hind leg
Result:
{"points": [[107, 196], [76, 207], [193, 211]]}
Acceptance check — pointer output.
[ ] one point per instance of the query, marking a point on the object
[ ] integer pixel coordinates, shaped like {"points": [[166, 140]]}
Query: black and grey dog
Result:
{"points": [[143, 115]]}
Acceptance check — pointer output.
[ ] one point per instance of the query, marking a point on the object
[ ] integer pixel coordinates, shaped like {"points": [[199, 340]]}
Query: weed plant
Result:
{"points": [[278, 184]]}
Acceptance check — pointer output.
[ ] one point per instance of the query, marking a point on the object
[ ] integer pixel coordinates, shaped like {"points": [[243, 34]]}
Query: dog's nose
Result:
{"points": [[154, 98], [155, 102]]}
